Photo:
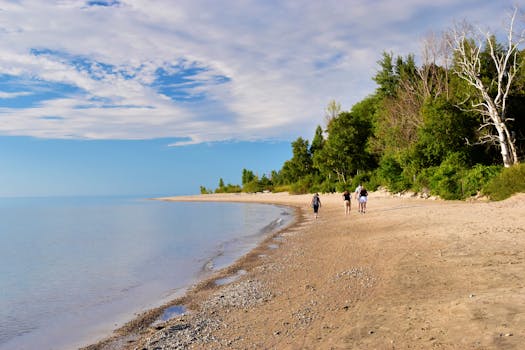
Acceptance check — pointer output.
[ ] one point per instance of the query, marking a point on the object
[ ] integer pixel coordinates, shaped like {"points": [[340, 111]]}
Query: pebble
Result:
{"points": [[188, 331]]}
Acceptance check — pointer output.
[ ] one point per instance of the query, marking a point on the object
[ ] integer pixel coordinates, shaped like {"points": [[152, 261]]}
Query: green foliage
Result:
{"points": [[386, 78], [326, 186], [444, 131], [300, 165], [360, 178], [282, 188], [302, 186], [251, 183], [204, 190], [345, 149], [477, 177], [509, 181], [445, 180], [410, 134], [318, 141], [252, 187], [454, 180], [373, 182], [390, 175], [227, 188], [247, 176]]}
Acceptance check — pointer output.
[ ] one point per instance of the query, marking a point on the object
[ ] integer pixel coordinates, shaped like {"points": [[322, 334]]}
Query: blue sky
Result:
{"points": [[159, 96]]}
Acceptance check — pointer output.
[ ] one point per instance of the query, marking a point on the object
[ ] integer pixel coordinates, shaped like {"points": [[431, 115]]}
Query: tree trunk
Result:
{"points": [[493, 109]]}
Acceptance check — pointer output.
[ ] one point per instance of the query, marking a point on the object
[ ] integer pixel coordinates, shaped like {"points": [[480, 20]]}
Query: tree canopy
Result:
{"points": [[446, 126]]}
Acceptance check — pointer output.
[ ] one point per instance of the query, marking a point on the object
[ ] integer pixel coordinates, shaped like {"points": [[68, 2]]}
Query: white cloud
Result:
{"points": [[9, 95], [283, 62]]}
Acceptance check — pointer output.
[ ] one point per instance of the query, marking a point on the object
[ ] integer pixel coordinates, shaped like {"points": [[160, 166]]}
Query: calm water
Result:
{"points": [[72, 269]]}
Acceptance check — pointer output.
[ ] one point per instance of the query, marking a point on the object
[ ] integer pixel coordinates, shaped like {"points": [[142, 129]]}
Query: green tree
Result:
{"points": [[317, 141], [247, 176], [301, 163], [386, 78], [446, 129], [204, 190], [345, 149]]}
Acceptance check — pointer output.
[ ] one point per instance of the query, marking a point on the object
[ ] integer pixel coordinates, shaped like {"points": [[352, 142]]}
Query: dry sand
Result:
{"points": [[409, 274]]}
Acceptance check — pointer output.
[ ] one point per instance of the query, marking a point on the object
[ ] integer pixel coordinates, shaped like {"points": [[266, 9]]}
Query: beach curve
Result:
{"points": [[409, 273]]}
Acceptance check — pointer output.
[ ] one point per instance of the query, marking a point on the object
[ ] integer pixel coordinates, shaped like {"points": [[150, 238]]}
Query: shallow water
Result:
{"points": [[72, 269]]}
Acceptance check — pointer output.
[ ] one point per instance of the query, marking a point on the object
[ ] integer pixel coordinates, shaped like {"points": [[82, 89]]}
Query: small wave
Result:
{"points": [[272, 226], [230, 248]]}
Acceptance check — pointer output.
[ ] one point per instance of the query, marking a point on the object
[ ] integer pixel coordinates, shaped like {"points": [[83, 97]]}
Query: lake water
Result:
{"points": [[73, 269]]}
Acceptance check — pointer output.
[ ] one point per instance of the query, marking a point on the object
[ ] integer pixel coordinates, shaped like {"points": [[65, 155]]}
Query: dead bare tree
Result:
{"points": [[332, 111], [468, 46], [434, 70]]}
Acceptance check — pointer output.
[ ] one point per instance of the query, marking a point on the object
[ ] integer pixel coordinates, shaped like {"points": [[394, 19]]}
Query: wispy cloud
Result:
{"points": [[10, 95], [200, 71]]}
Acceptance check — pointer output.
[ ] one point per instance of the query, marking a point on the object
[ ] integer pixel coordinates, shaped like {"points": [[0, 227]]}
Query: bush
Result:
{"points": [[252, 186], [360, 178], [282, 188], [453, 180], [326, 186], [204, 190], [390, 174], [446, 180], [422, 181], [302, 186], [509, 181], [476, 178], [229, 188]]}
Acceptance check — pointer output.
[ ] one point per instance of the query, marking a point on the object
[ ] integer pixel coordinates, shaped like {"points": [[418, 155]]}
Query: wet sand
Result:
{"points": [[410, 273]]}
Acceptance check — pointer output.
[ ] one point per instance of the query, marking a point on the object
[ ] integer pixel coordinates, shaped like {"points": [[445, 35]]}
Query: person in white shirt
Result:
{"points": [[358, 191]]}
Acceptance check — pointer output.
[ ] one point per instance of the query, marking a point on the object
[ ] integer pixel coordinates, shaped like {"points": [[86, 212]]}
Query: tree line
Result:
{"points": [[452, 125]]}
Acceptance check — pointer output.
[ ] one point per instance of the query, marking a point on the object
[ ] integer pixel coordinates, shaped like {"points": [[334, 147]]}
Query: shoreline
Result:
{"points": [[130, 331], [408, 273]]}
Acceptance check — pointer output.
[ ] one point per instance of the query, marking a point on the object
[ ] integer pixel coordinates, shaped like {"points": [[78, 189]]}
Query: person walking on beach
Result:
{"points": [[316, 204], [363, 198], [357, 191], [347, 197]]}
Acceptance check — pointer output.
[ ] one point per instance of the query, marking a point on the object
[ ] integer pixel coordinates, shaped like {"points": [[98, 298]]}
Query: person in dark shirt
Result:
{"points": [[347, 198], [363, 198], [316, 204]]}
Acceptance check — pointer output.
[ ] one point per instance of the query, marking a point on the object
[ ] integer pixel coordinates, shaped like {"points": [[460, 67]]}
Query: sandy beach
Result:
{"points": [[411, 273]]}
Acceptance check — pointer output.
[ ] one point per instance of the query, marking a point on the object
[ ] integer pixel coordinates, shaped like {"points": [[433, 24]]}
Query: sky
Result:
{"points": [[160, 97]]}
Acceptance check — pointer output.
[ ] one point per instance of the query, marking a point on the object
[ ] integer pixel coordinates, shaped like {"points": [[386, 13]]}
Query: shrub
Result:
{"points": [[282, 188], [453, 180], [229, 188], [360, 178], [326, 186], [422, 181], [390, 174], [302, 186], [509, 181], [204, 190], [446, 180], [252, 186], [475, 179]]}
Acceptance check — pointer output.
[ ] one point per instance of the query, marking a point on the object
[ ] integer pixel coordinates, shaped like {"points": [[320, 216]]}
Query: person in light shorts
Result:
{"points": [[363, 198]]}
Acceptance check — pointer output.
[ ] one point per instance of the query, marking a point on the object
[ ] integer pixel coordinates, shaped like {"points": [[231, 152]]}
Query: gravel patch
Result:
{"points": [[193, 330]]}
